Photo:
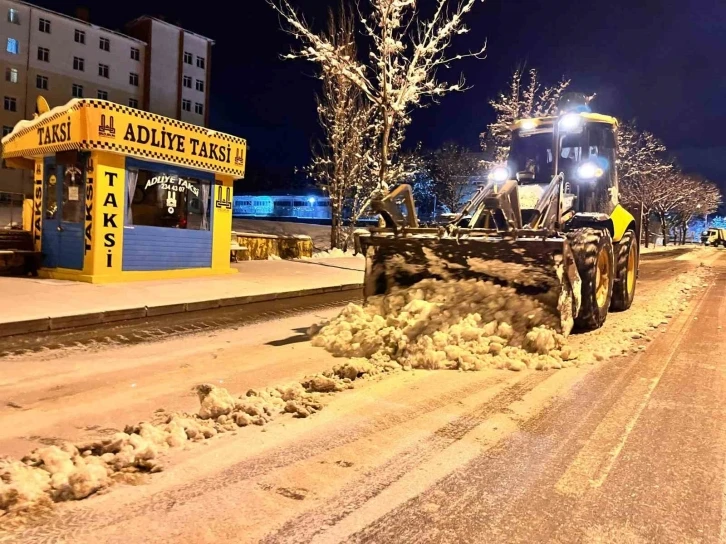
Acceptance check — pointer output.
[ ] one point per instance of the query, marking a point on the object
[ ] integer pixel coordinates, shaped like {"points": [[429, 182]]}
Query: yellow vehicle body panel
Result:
{"points": [[621, 219]]}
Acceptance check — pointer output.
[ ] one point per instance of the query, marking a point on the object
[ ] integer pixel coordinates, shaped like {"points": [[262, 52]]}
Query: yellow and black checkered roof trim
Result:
{"points": [[148, 116], [141, 114]]}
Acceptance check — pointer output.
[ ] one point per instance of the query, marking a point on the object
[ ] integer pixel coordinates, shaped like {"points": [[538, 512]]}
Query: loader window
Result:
{"points": [[532, 153], [595, 196]]}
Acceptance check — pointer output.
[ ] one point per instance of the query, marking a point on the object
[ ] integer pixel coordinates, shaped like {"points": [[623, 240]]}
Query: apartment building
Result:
{"points": [[157, 67], [177, 70]]}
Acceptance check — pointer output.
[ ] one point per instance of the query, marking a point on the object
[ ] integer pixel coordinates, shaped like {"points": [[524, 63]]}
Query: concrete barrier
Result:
{"points": [[260, 247]]}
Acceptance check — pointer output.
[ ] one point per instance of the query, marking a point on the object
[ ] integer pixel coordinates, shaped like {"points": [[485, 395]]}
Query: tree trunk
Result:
{"points": [[645, 227], [384, 149], [335, 224], [663, 229]]}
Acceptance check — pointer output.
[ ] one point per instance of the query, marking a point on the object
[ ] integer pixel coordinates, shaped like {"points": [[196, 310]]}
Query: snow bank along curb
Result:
{"points": [[97, 318]]}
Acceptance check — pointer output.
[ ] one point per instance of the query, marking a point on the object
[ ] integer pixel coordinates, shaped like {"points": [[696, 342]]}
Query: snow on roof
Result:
{"points": [[58, 110]]}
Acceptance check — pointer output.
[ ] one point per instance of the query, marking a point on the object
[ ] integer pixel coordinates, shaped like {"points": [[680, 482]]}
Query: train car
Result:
{"points": [[284, 206]]}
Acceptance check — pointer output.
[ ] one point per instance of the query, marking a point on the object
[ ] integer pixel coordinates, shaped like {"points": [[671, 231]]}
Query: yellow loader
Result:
{"points": [[547, 223]]}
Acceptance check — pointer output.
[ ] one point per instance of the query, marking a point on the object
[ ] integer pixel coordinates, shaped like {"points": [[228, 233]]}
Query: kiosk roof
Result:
{"points": [[91, 124]]}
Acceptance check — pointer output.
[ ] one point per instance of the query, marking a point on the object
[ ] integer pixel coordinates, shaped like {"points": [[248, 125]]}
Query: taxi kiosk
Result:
{"points": [[122, 194]]}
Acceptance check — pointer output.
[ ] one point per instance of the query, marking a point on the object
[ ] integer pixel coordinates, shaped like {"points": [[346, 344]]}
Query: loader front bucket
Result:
{"points": [[541, 268]]}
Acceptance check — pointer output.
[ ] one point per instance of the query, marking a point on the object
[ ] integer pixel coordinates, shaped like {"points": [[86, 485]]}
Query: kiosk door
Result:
{"points": [[64, 190]]}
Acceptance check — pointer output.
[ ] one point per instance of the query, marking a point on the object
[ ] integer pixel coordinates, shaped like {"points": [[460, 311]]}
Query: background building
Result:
{"points": [[158, 67], [176, 71]]}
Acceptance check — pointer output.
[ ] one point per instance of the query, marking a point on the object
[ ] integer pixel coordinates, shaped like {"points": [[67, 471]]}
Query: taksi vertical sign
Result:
{"points": [[111, 213], [104, 229], [88, 230], [38, 205]]}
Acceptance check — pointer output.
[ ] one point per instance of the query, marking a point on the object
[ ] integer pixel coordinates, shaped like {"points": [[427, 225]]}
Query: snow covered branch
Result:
{"points": [[524, 97], [400, 72]]}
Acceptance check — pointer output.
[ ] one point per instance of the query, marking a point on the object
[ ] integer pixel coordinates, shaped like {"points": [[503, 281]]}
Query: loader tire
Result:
{"points": [[626, 272], [593, 252]]}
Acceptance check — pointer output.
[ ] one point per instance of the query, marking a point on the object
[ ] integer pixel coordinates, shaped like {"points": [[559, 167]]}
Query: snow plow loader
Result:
{"points": [[547, 224]]}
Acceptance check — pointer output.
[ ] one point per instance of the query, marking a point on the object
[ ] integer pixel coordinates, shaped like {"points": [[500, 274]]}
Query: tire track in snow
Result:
{"points": [[84, 518], [307, 526], [489, 495]]}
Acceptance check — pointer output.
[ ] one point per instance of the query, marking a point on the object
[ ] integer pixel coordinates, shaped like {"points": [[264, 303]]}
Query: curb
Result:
{"points": [[45, 324]]}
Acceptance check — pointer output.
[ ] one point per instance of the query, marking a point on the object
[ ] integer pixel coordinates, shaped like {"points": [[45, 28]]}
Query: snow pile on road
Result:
{"points": [[467, 325], [72, 472]]}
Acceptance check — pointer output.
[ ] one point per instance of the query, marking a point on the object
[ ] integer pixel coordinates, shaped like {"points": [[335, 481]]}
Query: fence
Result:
{"points": [[11, 210]]}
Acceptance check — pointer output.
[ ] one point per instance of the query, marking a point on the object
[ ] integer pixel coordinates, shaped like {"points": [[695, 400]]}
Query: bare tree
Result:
{"points": [[525, 97], [643, 172], [452, 167], [400, 71], [338, 160], [701, 198]]}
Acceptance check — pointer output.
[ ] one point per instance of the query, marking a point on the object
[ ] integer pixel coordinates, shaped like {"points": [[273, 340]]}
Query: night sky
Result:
{"points": [[662, 62]]}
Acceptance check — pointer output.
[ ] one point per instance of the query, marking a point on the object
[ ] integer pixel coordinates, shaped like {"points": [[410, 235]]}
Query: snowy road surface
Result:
{"points": [[628, 450]]}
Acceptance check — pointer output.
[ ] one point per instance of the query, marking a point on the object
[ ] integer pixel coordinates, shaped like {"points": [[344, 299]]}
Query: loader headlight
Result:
{"points": [[589, 171], [571, 122], [528, 124], [500, 174]]}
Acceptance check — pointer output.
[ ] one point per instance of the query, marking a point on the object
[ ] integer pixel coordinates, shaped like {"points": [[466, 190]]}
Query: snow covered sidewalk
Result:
{"points": [[33, 305]]}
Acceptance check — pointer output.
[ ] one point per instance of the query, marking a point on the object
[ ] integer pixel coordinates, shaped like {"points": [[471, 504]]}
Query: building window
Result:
{"points": [[135, 54], [103, 95], [105, 44], [200, 85], [166, 199], [79, 64], [200, 62], [43, 54], [187, 58], [12, 46], [186, 104], [41, 82], [13, 16], [187, 82], [133, 103], [134, 79], [80, 37], [198, 108], [10, 104], [44, 25], [103, 70], [11, 75], [7, 130], [77, 91]]}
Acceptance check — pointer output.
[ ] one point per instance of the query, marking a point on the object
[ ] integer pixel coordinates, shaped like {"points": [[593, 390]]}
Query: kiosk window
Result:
{"points": [[165, 199]]}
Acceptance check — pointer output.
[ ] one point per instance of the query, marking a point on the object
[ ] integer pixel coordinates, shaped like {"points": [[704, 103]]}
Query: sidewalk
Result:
{"points": [[33, 305]]}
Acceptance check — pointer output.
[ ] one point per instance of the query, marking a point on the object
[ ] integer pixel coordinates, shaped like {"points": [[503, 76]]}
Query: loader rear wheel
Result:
{"points": [[593, 252], [626, 272]]}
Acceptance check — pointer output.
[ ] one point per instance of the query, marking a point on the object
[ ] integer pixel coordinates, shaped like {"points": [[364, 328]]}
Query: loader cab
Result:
{"points": [[585, 152]]}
